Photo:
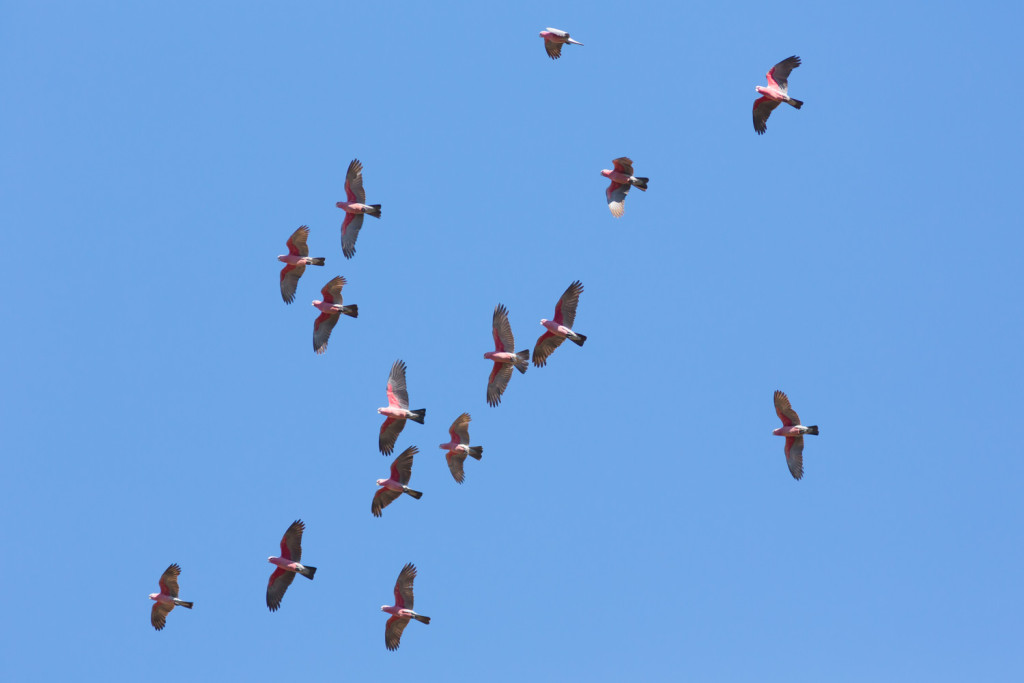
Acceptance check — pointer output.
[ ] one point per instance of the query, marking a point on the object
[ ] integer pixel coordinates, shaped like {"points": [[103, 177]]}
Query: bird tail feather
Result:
{"points": [[795, 103], [182, 603], [476, 452], [813, 429], [524, 360], [319, 261], [374, 210], [640, 183], [351, 310], [308, 572], [421, 618], [578, 339], [415, 494], [418, 415]]}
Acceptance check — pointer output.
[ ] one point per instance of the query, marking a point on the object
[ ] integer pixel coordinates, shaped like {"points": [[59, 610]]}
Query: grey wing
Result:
{"points": [[795, 456], [349, 234], [499, 382], [393, 632], [623, 165], [503, 329], [403, 586], [763, 108], [396, 384], [298, 240], [293, 540], [567, 304], [322, 327], [279, 582], [546, 345], [158, 617], [460, 428], [455, 465], [616, 195], [290, 281], [554, 50], [389, 432], [354, 180], [334, 288], [780, 72], [403, 464], [382, 499]]}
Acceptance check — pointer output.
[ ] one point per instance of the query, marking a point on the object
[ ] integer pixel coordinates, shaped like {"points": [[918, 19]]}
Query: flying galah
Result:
{"points": [[622, 178], [296, 259], [167, 598], [794, 433], [401, 612], [559, 329], [458, 447], [331, 309], [397, 484], [397, 410], [776, 93], [554, 39], [504, 356], [355, 206], [287, 565]]}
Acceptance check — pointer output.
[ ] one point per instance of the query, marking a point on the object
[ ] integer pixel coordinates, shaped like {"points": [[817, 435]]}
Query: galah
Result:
{"points": [[397, 410], [397, 484], [776, 93], [401, 612], [167, 598], [622, 179], [354, 206], [458, 447], [794, 433], [504, 356], [288, 565], [296, 261], [560, 329], [331, 309], [554, 39]]}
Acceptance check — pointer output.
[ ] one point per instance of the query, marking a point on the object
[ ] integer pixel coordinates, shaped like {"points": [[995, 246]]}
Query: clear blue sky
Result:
{"points": [[633, 517]]}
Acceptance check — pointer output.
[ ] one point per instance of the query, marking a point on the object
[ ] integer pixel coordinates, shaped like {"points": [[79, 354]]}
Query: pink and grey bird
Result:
{"points": [[354, 206], [504, 356], [401, 612], [775, 94], [458, 447], [622, 179], [560, 329], [288, 565], [397, 410], [794, 433], [396, 484], [330, 309], [167, 598], [295, 262], [554, 39]]}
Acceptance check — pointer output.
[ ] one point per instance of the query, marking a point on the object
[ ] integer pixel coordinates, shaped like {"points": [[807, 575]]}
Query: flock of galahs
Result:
{"points": [[504, 357]]}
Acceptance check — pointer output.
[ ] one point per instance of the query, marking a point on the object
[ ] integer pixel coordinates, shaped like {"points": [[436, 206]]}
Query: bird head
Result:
{"points": [[777, 432], [281, 259], [383, 608], [606, 173], [380, 411], [153, 596], [543, 320], [380, 482], [340, 205], [317, 302]]}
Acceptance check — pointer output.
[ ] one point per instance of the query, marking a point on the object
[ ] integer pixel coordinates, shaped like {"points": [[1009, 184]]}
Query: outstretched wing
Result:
{"points": [[460, 428], [322, 327], [349, 232], [354, 182], [276, 587], [389, 432], [169, 581], [291, 542], [546, 345], [502, 330], [398, 395], [401, 468], [565, 309], [553, 49], [393, 631], [403, 587], [498, 381], [795, 456], [455, 465], [382, 499], [332, 290], [158, 616], [763, 108], [779, 74], [290, 281], [297, 242], [616, 195], [785, 411]]}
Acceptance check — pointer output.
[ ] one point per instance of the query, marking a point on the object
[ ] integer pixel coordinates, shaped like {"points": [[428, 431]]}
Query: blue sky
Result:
{"points": [[633, 516]]}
